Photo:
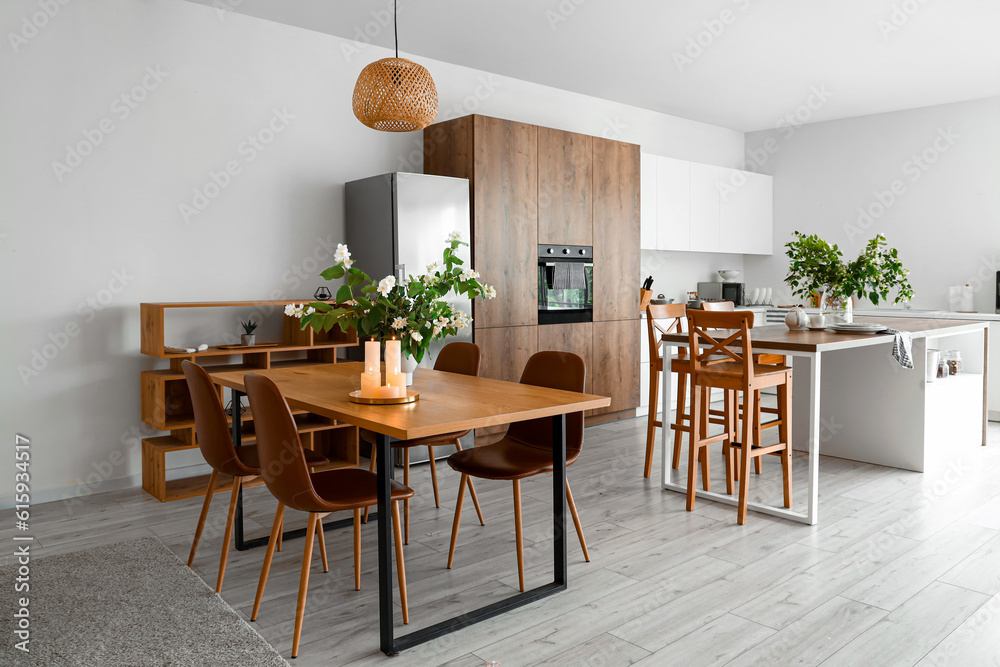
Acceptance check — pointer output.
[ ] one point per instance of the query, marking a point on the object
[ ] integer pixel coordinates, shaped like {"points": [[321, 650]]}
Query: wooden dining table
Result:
{"points": [[448, 403]]}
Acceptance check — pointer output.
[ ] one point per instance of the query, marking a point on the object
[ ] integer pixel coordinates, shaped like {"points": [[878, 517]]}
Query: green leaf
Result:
{"points": [[355, 279], [333, 273], [344, 293]]}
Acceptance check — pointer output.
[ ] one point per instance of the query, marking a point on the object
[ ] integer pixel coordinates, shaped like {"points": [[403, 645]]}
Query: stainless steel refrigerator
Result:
{"points": [[397, 224]]}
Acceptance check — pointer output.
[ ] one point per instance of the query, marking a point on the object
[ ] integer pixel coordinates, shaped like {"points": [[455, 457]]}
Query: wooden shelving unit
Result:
{"points": [[166, 403]]}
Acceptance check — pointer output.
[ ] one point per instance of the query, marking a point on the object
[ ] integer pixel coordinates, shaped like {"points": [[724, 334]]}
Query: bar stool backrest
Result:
{"points": [[716, 333], [555, 370], [282, 461], [673, 313], [718, 306], [211, 429]]}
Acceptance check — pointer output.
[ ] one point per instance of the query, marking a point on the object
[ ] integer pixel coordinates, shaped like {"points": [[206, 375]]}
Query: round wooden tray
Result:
{"points": [[411, 396]]}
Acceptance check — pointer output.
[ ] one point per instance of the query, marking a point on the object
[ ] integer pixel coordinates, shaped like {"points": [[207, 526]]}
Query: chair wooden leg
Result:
{"points": [[266, 569], [227, 538], [300, 606], [406, 502], [727, 449], [357, 549], [458, 518], [695, 437], [703, 453], [654, 388], [518, 534], [682, 384], [757, 462], [472, 492], [576, 520], [434, 475], [371, 468], [400, 569], [784, 433], [748, 403], [281, 535], [204, 514], [322, 544]]}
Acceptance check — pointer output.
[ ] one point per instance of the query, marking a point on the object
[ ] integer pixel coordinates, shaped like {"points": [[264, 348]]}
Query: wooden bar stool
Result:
{"points": [[457, 357], [671, 315], [216, 444], [284, 470], [740, 374]]}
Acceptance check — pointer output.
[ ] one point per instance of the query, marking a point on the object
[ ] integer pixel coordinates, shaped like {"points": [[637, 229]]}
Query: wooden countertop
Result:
{"points": [[448, 402], [781, 338]]}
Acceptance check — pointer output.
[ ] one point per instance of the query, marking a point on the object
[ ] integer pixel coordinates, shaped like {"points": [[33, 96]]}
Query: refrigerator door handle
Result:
{"points": [[400, 274]]}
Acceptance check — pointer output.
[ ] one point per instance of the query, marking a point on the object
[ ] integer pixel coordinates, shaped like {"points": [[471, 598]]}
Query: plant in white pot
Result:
{"points": [[248, 337], [415, 312], [816, 266]]}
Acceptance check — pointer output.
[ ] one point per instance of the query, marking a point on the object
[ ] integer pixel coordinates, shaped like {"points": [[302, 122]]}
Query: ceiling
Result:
{"points": [[757, 60]]}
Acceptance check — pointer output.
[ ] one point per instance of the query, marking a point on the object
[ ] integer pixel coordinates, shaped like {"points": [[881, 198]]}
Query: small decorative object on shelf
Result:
{"points": [[816, 266], [248, 337], [322, 293], [405, 316]]}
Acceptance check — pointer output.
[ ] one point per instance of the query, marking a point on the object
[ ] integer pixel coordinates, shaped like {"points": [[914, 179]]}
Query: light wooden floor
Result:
{"points": [[903, 569]]}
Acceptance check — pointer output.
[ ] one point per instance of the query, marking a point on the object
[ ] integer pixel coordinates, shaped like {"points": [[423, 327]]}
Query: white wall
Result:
{"points": [[82, 249], [944, 162]]}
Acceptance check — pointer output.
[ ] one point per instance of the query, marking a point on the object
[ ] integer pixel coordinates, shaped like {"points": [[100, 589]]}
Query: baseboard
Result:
{"points": [[993, 415], [114, 484]]}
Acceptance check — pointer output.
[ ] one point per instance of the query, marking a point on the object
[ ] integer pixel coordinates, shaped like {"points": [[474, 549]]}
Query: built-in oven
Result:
{"points": [[565, 284]]}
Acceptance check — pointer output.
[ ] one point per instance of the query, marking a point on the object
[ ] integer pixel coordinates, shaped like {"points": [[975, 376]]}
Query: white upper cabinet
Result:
{"points": [[703, 208], [673, 204], [746, 213], [647, 201]]}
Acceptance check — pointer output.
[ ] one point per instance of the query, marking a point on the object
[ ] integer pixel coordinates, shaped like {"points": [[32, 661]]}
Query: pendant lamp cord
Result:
{"points": [[395, 30]]}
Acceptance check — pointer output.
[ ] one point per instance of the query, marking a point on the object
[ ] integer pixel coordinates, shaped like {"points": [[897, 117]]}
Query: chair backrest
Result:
{"points": [[718, 306], [463, 358], [555, 370], [671, 314], [282, 462], [716, 333], [210, 426]]}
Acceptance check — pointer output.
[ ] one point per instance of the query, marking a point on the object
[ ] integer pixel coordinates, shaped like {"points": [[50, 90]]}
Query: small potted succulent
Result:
{"points": [[248, 337]]}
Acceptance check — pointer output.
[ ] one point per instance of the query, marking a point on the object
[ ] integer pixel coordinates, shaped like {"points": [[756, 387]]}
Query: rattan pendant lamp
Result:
{"points": [[395, 94]]}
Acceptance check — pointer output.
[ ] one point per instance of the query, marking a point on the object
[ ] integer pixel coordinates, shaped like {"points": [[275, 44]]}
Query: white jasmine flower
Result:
{"points": [[310, 310], [469, 274], [415, 335], [434, 268], [342, 254], [454, 236], [351, 302], [399, 323], [348, 263], [290, 310], [491, 292], [386, 284]]}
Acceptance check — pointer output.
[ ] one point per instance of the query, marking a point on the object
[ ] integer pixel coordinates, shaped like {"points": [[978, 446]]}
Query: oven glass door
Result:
{"points": [[568, 297]]}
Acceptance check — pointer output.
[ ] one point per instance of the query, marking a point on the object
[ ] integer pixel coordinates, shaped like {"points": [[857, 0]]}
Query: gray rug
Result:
{"points": [[133, 603]]}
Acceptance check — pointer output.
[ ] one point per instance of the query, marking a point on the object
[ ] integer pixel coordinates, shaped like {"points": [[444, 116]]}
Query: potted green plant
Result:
{"points": [[817, 267], [415, 311], [248, 338]]}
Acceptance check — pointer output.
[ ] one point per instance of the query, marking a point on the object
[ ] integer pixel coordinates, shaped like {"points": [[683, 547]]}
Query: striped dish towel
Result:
{"points": [[902, 347]]}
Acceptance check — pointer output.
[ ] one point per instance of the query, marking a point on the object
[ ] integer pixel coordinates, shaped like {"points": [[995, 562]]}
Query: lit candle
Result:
{"points": [[389, 391], [393, 377], [371, 377]]}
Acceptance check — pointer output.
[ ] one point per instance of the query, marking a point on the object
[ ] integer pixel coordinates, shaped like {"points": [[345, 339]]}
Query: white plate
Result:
{"points": [[817, 328], [859, 325]]}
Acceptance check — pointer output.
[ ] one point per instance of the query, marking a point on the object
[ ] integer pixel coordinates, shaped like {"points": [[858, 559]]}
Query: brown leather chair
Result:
{"points": [[461, 358], [284, 469], [526, 449], [740, 374], [216, 444]]}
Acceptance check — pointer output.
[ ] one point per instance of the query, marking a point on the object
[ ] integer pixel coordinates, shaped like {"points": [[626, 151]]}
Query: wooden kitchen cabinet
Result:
{"points": [[565, 204], [616, 230], [616, 365], [505, 350], [577, 338], [499, 157]]}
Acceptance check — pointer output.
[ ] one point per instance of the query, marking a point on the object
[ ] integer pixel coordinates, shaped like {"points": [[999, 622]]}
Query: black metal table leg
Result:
{"points": [[383, 466], [392, 646]]}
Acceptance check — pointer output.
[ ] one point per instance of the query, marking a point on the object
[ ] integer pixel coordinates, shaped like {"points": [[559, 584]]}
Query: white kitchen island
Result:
{"points": [[852, 400]]}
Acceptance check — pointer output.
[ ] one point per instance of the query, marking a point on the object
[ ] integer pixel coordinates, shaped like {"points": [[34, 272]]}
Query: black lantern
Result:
{"points": [[322, 294]]}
